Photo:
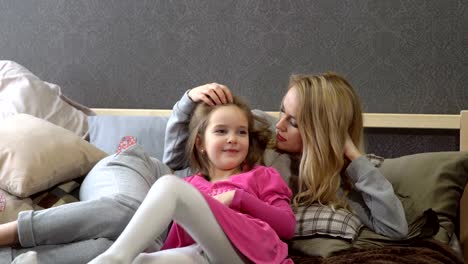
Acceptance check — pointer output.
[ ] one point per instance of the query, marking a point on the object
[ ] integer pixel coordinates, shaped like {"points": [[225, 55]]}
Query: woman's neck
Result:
{"points": [[295, 156], [221, 175]]}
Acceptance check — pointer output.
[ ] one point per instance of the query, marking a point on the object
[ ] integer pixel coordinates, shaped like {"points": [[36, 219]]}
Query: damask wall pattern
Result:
{"points": [[402, 56]]}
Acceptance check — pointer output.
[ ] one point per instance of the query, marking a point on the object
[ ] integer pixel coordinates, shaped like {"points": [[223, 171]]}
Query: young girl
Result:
{"points": [[317, 133], [231, 211]]}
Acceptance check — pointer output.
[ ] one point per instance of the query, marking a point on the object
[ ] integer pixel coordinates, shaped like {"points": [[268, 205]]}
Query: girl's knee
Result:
{"points": [[169, 181], [170, 185]]}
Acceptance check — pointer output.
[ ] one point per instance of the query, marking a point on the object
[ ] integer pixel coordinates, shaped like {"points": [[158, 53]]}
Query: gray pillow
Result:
{"points": [[105, 132], [433, 180], [429, 186]]}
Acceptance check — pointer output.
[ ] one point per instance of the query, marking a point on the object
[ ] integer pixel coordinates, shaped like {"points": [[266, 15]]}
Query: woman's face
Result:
{"points": [[287, 132]]}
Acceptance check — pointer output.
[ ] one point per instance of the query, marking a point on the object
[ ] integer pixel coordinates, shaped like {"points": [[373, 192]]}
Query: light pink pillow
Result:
{"points": [[23, 92]]}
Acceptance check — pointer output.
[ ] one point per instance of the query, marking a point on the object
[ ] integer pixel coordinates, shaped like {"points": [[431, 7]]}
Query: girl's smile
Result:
{"points": [[231, 150], [226, 141]]}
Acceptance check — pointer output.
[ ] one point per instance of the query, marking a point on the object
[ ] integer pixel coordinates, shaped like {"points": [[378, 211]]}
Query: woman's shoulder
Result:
{"points": [[272, 156], [282, 162]]}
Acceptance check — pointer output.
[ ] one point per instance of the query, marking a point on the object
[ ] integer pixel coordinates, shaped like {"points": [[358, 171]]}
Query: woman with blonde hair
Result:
{"points": [[331, 116], [317, 134]]}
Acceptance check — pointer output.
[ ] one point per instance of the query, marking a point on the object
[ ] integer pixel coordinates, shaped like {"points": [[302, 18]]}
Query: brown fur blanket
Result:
{"points": [[419, 252]]}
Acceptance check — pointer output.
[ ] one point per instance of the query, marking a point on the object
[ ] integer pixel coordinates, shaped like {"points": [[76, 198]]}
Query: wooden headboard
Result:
{"points": [[416, 121]]}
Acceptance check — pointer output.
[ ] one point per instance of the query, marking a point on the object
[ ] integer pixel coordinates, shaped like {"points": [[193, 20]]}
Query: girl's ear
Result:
{"points": [[199, 144]]}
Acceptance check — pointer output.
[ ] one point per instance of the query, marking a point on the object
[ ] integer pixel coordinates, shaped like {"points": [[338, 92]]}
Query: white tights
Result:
{"points": [[170, 198]]}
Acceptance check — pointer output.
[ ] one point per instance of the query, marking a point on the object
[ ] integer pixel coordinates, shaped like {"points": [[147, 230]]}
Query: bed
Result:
{"points": [[48, 147], [374, 120]]}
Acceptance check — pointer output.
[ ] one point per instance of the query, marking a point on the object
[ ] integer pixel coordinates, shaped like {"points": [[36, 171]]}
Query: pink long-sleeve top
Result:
{"points": [[258, 217]]}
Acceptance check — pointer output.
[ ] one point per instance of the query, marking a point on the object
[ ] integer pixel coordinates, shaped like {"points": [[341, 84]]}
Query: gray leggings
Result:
{"points": [[78, 232], [171, 198]]}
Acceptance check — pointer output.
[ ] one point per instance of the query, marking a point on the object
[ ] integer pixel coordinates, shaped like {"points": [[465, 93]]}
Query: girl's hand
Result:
{"points": [[211, 94], [225, 197], [350, 150]]}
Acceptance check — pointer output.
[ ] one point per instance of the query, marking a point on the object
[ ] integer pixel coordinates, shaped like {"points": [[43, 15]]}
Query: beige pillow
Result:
{"points": [[36, 155], [11, 205], [23, 92]]}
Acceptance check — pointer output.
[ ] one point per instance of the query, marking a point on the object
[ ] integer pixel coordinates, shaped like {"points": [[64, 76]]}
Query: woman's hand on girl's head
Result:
{"points": [[350, 149], [225, 197], [211, 94]]}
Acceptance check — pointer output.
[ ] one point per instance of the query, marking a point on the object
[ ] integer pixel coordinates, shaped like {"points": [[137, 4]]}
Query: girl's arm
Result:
{"points": [[273, 202], [375, 201], [278, 214]]}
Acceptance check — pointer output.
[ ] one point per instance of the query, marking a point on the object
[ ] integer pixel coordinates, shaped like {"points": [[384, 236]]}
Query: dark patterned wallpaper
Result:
{"points": [[402, 56]]}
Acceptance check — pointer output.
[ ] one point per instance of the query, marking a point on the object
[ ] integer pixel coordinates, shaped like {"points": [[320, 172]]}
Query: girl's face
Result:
{"points": [[226, 140], [287, 132]]}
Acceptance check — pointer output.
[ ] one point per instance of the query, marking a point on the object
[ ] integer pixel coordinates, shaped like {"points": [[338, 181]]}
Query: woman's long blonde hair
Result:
{"points": [[329, 108]]}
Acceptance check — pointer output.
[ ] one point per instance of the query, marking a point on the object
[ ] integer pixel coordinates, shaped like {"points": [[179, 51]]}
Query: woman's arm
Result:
{"points": [[374, 200], [177, 126], [177, 133]]}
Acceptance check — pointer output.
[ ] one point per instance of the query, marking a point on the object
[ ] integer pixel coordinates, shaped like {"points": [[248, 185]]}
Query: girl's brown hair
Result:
{"points": [[259, 136]]}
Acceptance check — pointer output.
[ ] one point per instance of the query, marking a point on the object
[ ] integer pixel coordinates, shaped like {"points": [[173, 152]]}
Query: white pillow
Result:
{"points": [[23, 92], [36, 155]]}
